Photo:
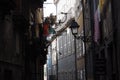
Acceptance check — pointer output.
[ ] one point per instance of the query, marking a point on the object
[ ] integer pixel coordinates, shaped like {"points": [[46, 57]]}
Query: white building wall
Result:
{"points": [[66, 60], [65, 6], [54, 52]]}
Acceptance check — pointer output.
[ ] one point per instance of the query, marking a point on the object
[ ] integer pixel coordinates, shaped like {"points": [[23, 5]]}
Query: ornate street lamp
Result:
{"points": [[74, 28]]}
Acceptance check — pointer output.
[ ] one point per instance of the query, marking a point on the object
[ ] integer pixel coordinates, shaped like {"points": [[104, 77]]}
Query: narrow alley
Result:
{"points": [[59, 40]]}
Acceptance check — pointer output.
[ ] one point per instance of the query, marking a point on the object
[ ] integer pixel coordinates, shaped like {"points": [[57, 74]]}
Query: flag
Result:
{"points": [[51, 30], [96, 27], [45, 29]]}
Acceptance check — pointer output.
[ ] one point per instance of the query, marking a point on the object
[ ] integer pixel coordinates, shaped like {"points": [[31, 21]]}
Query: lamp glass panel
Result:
{"points": [[74, 30]]}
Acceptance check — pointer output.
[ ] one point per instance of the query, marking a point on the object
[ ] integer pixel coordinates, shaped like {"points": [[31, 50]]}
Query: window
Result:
{"points": [[65, 42], [60, 46]]}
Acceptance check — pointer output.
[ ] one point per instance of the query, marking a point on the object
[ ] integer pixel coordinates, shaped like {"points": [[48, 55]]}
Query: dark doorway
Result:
{"points": [[112, 65], [8, 74]]}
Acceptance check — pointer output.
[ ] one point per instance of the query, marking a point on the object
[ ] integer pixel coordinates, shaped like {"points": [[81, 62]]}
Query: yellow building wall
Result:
{"points": [[80, 22]]}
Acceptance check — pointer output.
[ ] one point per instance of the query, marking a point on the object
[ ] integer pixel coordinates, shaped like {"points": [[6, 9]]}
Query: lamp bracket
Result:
{"points": [[60, 22]]}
